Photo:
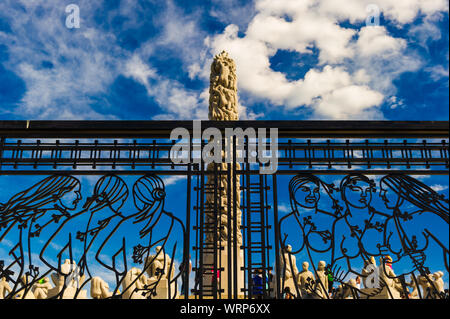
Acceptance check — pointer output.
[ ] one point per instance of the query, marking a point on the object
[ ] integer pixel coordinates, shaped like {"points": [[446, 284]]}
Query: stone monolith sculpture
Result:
{"points": [[370, 266], [223, 106]]}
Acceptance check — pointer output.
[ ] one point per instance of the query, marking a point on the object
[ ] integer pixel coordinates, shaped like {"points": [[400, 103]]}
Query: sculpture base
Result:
{"points": [[223, 276], [69, 293], [162, 290], [384, 294], [287, 283]]}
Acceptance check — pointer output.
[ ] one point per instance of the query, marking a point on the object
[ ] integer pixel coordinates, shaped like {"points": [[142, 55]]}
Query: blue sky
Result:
{"points": [[296, 59], [150, 60]]}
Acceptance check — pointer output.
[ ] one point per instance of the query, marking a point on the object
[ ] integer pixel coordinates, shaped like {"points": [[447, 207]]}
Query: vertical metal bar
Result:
{"points": [[249, 226], [187, 237], [229, 239], [267, 227], [235, 248], [328, 152], [290, 153], [202, 217], [263, 239], [386, 145], [277, 236], [309, 155], [427, 154], [244, 232], [349, 153], [445, 152], [2, 144], [405, 154], [198, 275], [215, 229]]}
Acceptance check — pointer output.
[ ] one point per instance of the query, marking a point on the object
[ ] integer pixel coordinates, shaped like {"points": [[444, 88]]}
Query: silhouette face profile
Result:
{"points": [[70, 197], [389, 197]]}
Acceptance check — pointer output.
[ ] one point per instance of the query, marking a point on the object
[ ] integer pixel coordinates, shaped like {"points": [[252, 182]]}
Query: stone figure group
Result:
{"points": [[375, 282], [136, 284]]}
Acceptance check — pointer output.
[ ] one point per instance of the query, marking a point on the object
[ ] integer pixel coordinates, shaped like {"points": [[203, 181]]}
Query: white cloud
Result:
{"points": [[439, 188], [404, 11], [354, 76], [283, 208], [399, 11], [85, 62], [62, 69], [172, 180], [139, 71], [232, 11], [375, 41], [438, 72], [356, 67], [427, 30], [320, 88], [350, 102]]}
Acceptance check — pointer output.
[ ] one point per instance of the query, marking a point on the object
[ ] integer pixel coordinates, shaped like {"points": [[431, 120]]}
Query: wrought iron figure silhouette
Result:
{"points": [[20, 215], [398, 193], [109, 195], [316, 225]]}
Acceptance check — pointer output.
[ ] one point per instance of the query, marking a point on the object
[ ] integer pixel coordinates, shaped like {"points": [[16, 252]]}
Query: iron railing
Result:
{"points": [[349, 193]]}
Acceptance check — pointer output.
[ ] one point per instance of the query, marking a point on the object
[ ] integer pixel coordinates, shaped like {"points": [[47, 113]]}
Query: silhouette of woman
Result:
{"points": [[153, 221], [317, 224], [110, 194], [363, 227], [398, 191], [314, 226], [59, 194]]}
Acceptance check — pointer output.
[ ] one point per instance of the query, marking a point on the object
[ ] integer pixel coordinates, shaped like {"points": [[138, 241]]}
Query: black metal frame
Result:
{"points": [[305, 147]]}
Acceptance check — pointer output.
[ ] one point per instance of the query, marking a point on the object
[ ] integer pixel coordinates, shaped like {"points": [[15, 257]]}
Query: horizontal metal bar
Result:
{"points": [[149, 161], [238, 172], [141, 129]]}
